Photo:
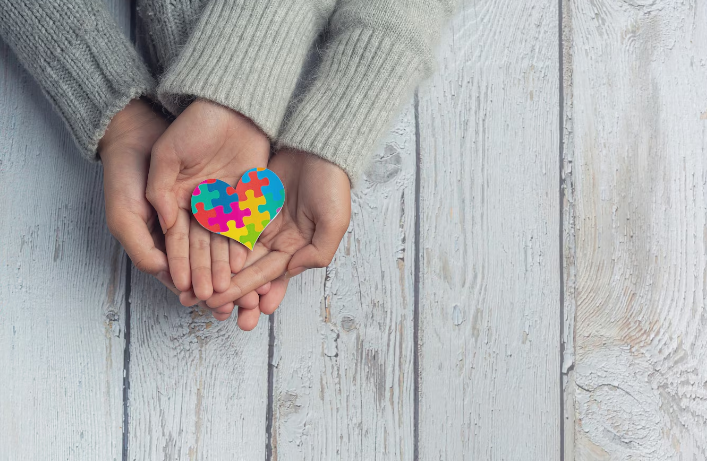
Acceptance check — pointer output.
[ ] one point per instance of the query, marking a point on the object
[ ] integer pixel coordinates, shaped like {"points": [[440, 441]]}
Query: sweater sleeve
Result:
{"points": [[81, 60], [376, 53], [246, 55], [165, 27]]}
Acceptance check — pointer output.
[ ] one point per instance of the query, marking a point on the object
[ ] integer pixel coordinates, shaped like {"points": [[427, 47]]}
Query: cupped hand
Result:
{"points": [[206, 141], [305, 234], [125, 155]]}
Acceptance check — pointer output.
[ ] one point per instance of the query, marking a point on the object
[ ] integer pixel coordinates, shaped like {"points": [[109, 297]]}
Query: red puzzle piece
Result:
{"points": [[202, 216], [253, 184]]}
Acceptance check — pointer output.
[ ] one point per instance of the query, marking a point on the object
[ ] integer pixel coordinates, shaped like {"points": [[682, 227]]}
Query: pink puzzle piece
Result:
{"points": [[221, 219]]}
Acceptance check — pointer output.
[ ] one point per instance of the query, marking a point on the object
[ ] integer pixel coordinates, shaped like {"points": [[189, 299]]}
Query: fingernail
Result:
{"points": [[164, 230], [165, 278], [294, 272]]}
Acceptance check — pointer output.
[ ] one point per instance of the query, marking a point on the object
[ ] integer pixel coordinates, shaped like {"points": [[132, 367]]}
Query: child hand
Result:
{"points": [[206, 141], [304, 235], [125, 154]]}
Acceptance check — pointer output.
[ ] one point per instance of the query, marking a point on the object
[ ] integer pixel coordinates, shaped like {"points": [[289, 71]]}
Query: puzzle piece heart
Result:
{"points": [[241, 213]]}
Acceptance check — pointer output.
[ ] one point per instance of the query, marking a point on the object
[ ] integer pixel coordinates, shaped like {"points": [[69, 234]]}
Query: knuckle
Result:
{"points": [[178, 236], [151, 193], [342, 225], [324, 261], [161, 149], [259, 275], [203, 244], [143, 265]]}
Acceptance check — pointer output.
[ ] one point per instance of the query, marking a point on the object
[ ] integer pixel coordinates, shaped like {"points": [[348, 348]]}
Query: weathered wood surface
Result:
{"points": [[638, 169], [489, 328], [344, 351], [198, 387], [61, 287], [459, 223]]}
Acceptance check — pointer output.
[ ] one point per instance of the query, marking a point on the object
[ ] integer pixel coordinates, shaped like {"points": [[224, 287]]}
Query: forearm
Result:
{"points": [[377, 52], [165, 26], [80, 58], [246, 55]]}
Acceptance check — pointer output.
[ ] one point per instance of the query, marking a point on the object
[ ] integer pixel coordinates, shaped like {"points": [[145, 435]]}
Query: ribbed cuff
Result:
{"points": [[80, 58], [246, 55], [363, 80]]}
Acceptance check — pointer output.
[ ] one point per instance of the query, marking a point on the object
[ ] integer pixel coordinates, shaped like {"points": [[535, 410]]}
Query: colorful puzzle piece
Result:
{"points": [[203, 216], [243, 212], [225, 199], [206, 196], [252, 181], [221, 218]]}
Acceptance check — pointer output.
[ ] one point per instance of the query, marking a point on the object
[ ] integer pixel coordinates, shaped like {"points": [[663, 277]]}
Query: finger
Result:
{"points": [[252, 256], [249, 301], [164, 169], [321, 251], [220, 317], [258, 252], [188, 298], [237, 255], [166, 280], [270, 301], [200, 260], [263, 289], [157, 236], [223, 312], [220, 265], [248, 318], [177, 244], [266, 269], [132, 232]]}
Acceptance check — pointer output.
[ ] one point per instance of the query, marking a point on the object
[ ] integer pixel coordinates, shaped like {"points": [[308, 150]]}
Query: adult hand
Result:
{"points": [[206, 141], [125, 154], [304, 235]]}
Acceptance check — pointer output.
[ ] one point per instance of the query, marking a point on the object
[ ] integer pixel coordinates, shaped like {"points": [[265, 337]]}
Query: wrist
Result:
{"points": [[234, 118], [133, 130]]}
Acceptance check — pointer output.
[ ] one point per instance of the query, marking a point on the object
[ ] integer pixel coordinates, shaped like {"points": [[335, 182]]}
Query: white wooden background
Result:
{"points": [[524, 277]]}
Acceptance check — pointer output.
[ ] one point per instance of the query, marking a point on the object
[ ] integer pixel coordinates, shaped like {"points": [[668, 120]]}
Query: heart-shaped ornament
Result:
{"points": [[241, 213]]}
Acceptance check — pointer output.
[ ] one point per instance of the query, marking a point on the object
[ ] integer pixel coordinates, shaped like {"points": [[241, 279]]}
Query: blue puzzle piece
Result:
{"points": [[275, 185], [225, 200]]}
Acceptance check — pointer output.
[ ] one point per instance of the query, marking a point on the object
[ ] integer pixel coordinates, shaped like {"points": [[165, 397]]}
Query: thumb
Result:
{"points": [[132, 232], [164, 169], [321, 251]]}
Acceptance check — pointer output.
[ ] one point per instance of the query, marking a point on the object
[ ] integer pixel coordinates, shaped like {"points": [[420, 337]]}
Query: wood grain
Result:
{"points": [[490, 265], [198, 387], [344, 378], [568, 239], [61, 286], [639, 91]]}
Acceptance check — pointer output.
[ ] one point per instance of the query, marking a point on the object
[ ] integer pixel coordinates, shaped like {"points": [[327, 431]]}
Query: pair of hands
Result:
{"points": [[150, 171]]}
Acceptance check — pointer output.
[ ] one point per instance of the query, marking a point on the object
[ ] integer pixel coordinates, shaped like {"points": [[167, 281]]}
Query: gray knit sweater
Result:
{"points": [[244, 54]]}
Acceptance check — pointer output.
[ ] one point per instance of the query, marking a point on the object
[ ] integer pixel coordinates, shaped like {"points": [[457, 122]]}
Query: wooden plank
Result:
{"points": [[568, 239], [640, 201], [198, 387], [61, 287], [489, 327], [343, 377]]}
